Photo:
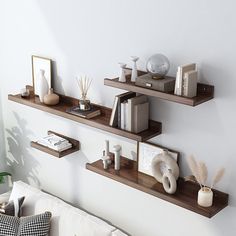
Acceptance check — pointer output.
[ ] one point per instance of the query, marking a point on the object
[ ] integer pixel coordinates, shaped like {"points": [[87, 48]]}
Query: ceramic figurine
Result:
{"points": [[117, 149], [122, 77], [134, 74], [42, 85]]}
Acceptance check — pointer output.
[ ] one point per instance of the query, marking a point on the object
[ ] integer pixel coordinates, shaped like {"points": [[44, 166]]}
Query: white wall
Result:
{"points": [[90, 37]]}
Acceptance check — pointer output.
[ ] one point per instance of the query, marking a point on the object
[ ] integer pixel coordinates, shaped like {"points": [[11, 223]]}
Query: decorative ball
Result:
{"points": [[158, 65]]}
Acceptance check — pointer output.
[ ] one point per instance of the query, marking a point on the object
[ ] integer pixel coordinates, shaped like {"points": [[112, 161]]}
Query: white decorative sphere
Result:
{"points": [[158, 65]]}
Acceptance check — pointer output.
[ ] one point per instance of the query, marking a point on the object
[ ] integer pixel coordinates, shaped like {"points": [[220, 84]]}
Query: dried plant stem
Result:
{"points": [[218, 176], [194, 168]]}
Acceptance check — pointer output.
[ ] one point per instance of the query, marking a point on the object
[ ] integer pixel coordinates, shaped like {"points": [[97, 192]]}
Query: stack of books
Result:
{"points": [[186, 80], [55, 142], [93, 112], [130, 112]]}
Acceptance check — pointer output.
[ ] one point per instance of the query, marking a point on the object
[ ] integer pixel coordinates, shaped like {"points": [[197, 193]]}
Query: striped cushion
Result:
{"points": [[37, 225]]}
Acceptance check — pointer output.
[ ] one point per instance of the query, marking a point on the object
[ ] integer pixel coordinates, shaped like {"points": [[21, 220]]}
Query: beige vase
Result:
{"points": [[51, 98]]}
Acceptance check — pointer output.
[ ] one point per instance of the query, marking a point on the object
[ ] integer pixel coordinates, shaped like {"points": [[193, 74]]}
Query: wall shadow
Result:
{"points": [[19, 157]]}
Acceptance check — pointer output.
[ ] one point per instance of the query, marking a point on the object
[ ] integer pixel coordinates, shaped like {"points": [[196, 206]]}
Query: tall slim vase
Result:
{"points": [[134, 74], [42, 85]]}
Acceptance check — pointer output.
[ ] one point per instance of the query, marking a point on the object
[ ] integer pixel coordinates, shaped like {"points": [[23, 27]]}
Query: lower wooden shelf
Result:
{"points": [[185, 196], [75, 146]]}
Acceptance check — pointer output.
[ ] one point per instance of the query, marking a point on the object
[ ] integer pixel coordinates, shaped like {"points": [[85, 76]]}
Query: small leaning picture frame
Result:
{"points": [[41, 63], [147, 151]]}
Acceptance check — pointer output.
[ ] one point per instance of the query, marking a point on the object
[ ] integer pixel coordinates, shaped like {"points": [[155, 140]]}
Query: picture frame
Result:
{"points": [[41, 63], [147, 151]]}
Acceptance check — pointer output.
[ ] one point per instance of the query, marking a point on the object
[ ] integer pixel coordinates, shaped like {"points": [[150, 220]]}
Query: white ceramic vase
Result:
{"points": [[42, 85], [122, 77], [205, 197], [134, 74]]}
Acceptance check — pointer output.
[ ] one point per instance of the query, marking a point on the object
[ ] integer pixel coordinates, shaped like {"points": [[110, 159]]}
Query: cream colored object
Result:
{"points": [[169, 182], [51, 98], [168, 161], [66, 220], [205, 197]]}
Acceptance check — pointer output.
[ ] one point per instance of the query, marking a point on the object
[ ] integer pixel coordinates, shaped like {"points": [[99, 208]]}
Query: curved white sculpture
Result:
{"points": [[169, 175]]}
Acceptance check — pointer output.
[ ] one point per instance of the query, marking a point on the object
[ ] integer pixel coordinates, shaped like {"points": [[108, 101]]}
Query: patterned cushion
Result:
{"points": [[37, 225], [12, 208], [8, 225]]}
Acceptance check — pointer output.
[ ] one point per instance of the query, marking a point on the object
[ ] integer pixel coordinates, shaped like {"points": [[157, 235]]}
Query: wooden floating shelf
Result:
{"points": [[100, 122], [75, 146], [204, 92], [185, 196]]}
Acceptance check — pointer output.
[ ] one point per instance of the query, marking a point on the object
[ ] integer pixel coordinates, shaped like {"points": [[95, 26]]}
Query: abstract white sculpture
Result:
{"points": [[166, 171]]}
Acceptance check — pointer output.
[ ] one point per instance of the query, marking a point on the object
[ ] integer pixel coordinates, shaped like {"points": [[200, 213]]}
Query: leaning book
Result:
{"points": [[93, 112]]}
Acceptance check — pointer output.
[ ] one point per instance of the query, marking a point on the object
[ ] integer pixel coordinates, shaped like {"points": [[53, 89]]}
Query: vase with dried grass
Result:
{"points": [[84, 85], [200, 172]]}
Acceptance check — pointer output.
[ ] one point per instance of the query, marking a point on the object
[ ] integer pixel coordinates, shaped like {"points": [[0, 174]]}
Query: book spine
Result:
{"points": [[123, 115], [129, 115], [114, 114]]}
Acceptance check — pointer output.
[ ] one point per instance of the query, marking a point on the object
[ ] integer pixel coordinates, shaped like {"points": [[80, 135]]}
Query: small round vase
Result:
{"points": [[51, 98], [205, 197], [42, 85]]}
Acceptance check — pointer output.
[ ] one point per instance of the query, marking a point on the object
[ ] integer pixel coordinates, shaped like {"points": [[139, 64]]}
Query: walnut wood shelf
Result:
{"points": [[99, 122], [75, 146], [204, 92], [185, 196]]}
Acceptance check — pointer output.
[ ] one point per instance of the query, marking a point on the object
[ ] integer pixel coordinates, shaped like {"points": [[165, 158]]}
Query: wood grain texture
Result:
{"points": [[204, 92], [99, 122], [75, 146], [185, 196]]}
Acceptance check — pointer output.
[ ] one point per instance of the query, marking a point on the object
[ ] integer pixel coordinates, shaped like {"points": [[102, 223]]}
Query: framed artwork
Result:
{"points": [[146, 153], [41, 63]]}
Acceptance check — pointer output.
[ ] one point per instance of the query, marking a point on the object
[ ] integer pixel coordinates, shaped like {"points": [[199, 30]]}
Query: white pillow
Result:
{"points": [[31, 194]]}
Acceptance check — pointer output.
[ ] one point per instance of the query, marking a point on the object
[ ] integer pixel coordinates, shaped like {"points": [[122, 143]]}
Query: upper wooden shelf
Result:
{"points": [[99, 122], [204, 92], [185, 196], [75, 146]]}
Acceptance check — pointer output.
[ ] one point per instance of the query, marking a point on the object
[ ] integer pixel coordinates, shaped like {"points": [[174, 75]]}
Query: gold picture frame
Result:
{"points": [[41, 63]]}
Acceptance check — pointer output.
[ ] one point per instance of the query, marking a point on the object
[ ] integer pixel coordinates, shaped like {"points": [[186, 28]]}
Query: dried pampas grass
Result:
{"points": [[200, 172], [194, 168], [218, 176], [203, 172]]}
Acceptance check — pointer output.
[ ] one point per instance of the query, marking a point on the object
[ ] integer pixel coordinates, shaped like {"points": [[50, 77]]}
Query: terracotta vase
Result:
{"points": [[51, 98]]}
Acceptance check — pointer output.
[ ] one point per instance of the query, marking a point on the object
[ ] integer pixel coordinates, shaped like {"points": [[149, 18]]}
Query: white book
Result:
{"points": [[131, 103], [114, 114], [61, 147], [124, 115], [178, 82], [180, 76], [54, 140]]}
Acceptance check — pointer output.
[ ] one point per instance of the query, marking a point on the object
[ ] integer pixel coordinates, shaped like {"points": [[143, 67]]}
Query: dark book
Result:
{"points": [[115, 120], [94, 111]]}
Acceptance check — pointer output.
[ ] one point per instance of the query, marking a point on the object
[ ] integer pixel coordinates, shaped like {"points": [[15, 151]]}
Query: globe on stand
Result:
{"points": [[158, 66]]}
